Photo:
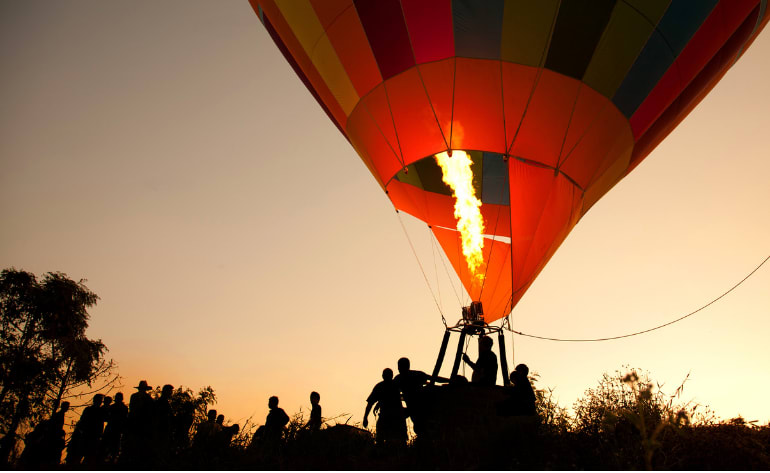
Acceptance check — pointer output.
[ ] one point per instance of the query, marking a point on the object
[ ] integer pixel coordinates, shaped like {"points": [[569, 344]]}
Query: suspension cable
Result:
{"points": [[446, 270], [425, 276], [553, 339], [435, 270]]}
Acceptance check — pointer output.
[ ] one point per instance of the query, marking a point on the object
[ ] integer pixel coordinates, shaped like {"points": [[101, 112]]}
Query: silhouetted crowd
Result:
{"points": [[150, 431], [409, 385], [147, 431]]}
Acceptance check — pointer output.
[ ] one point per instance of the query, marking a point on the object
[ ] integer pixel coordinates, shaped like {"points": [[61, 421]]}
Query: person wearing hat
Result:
{"points": [[140, 404], [138, 435]]}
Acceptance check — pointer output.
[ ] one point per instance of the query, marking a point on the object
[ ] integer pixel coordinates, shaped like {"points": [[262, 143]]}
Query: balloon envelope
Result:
{"points": [[555, 101]]}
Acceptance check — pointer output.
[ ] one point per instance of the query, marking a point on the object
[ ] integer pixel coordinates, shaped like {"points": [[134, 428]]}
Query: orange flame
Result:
{"points": [[457, 174]]}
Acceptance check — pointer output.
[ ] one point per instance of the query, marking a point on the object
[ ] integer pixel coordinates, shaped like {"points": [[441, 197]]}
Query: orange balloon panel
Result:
{"points": [[555, 102]]}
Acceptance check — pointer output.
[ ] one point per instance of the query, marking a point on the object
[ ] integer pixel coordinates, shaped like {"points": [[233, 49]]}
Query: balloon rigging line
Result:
{"points": [[502, 104], [430, 102], [569, 124], [400, 156], [422, 81], [494, 233], [561, 161], [518, 128], [393, 120], [510, 232], [642, 331], [425, 276], [377, 125], [526, 107], [449, 276], [323, 35], [540, 69], [452, 115], [435, 270], [513, 349]]}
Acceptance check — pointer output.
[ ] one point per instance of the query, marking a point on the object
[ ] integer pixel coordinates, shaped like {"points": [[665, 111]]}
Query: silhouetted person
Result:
{"points": [[314, 423], [117, 415], [522, 394], [391, 422], [137, 439], [54, 436], [226, 436], [57, 420], [162, 419], [43, 446], [98, 455], [87, 434], [485, 368], [93, 454], [410, 383], [206, 431], [33, 446], [276, 420], [183, 421]]}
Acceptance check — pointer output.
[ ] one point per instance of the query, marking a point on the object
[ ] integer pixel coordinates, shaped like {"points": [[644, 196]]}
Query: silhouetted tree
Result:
{"points": [[44, 351]]}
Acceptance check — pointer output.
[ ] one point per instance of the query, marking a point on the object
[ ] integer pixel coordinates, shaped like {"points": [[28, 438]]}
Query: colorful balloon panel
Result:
{"points": [[555, 102]]}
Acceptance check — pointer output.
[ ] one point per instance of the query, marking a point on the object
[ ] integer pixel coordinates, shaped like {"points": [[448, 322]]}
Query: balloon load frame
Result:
{"points": [[471, 324]]}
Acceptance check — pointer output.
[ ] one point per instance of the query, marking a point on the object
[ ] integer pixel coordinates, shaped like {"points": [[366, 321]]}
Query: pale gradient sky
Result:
{"points": [[166, 152]]}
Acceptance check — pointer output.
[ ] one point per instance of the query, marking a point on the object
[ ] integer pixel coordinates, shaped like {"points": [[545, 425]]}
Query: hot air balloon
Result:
{"points": [[554, 102]]}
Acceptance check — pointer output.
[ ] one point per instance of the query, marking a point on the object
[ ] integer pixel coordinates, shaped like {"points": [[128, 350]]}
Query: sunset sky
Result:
{"points": [[167, 153]]}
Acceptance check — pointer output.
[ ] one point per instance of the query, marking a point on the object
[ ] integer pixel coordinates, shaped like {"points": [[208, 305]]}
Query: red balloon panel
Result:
{"points": [[417, 126], [377, 105], [478, 108], [544, 207], [547, 119], [370, 143], [438, 78], [605, 140], [588, 107], [430, 29], [518, 84]]}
